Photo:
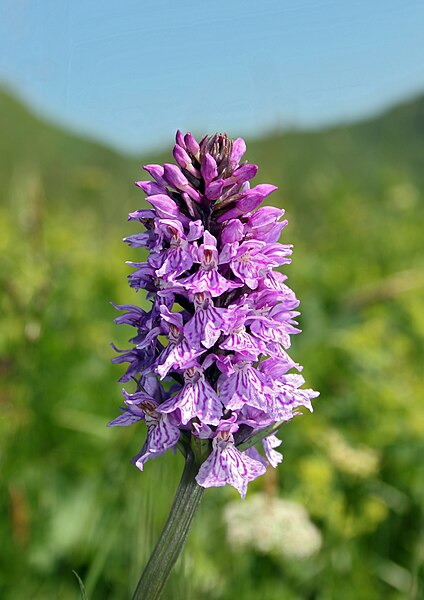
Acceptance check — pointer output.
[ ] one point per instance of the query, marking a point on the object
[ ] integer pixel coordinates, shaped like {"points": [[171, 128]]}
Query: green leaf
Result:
{"points": [[81, 585], [260, 435]]}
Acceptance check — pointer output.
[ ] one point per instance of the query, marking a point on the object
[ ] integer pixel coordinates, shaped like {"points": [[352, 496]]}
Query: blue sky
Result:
{"points": [[132, 72]]}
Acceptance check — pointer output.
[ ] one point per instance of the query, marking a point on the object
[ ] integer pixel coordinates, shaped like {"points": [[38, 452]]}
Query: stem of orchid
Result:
{"points": [[174, 534]]}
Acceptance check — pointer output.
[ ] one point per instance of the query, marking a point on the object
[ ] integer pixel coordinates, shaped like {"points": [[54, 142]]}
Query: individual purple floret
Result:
{"points": [[209, 359]]}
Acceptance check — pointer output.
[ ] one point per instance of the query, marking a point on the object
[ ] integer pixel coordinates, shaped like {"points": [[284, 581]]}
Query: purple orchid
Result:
{"points": [[210, 358], [196, 399], [226, 464]]}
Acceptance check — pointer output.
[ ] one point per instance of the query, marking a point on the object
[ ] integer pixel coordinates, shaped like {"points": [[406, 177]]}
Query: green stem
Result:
{"points": [[174, 534]]}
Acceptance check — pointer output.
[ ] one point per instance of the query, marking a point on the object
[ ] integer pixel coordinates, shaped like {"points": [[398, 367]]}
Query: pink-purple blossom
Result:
{"points": [[210, 358]]}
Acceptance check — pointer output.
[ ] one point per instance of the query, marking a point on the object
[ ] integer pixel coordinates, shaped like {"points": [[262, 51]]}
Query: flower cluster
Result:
{"points": [[271, 525], [210, 358]]}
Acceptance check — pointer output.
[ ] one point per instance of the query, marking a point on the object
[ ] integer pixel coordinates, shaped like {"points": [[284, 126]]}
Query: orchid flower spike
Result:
{"points": [[209, 360]]}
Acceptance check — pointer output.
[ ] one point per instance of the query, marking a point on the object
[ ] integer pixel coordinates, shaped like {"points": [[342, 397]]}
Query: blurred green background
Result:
{"points": [[342, 517]]}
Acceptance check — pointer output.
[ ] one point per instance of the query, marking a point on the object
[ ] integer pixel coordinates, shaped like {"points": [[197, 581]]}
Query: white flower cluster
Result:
{"points": [[273, 526]]}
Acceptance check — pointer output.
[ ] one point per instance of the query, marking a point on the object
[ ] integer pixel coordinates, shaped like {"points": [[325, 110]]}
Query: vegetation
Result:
{"points": [[353, 197]]}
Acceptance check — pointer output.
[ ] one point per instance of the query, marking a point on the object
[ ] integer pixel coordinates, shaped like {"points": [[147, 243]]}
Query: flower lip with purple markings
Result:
{"points": [[210, 360]]}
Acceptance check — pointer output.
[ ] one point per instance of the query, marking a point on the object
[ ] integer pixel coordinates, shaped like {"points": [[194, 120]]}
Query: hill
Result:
{"points": [[77, 171]]}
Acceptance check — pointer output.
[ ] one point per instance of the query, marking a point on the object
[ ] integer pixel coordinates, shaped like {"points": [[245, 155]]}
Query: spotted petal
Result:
{"points": [[226, 464], [197, 399]]}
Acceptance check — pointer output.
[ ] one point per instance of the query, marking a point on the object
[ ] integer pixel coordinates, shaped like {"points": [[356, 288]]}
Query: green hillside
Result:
{"points": [[78, 170], [353, 195], [74, 170]]}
